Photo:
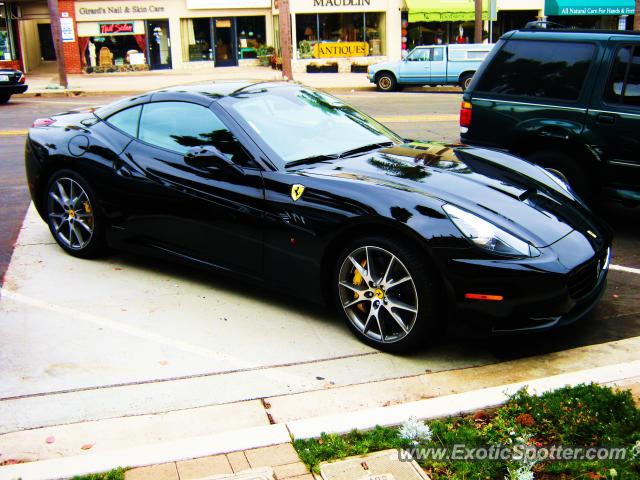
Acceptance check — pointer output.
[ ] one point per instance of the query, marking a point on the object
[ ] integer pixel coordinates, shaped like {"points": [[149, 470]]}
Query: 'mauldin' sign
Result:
{"points": [[341, 3], [340, 49], [322, 6]]}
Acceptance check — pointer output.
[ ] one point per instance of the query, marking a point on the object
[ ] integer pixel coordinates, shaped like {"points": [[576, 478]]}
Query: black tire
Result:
{"points": [[428, 321], [4, 99], [567, 167], [386, 82], [92, 244], [465, 81]]}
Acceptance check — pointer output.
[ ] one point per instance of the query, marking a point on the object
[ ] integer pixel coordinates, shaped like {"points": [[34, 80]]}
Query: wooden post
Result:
{"points": [[57, 42], [284, 23], [636, 21], [477, 38]]}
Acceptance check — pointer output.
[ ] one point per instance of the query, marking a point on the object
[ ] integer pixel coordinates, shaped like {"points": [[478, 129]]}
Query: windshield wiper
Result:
{"points": [[364, 148], [312, 159]]}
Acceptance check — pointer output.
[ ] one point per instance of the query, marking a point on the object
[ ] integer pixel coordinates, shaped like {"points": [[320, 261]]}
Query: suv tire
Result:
{"points": [[567, 166]]}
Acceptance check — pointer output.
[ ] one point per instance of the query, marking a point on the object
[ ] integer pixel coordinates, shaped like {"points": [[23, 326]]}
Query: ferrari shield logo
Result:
{"points": [[296, 191]]}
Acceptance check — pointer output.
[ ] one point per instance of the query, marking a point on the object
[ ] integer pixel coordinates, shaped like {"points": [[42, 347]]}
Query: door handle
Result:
{"points": [[606, 118]]}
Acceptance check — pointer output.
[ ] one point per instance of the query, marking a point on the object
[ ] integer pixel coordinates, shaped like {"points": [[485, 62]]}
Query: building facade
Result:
{"points": [[327, 35]]}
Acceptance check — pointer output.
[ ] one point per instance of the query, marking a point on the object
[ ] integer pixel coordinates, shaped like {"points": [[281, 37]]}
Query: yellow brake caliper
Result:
{"points": [[357, 281]]}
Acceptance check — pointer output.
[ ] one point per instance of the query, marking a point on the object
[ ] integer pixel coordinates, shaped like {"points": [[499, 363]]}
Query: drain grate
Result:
{"points": [[384, 465]]}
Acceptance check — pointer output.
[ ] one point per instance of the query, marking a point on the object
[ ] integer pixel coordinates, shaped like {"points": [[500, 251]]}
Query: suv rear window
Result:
{"points": [[538, 69], [624, 85]]}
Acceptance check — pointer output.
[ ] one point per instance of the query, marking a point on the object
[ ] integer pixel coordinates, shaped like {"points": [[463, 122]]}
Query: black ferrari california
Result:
{"points": [[292, 188]]}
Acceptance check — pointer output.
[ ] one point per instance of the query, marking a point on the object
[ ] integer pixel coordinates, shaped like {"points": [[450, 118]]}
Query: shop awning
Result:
{"points": [[444, 10], [589, 7]]}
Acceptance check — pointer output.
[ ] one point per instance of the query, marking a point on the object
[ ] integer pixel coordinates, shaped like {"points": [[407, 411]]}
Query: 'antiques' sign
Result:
{"points": [[340, 49], [115, 28]]}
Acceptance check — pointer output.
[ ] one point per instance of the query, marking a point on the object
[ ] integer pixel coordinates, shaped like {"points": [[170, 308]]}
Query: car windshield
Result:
{"points": [[300, 124]]}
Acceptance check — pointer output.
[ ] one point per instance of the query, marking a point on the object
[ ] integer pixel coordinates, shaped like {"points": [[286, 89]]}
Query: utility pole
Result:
{"points": [[57, 42], [477, 38], [284, 23]]}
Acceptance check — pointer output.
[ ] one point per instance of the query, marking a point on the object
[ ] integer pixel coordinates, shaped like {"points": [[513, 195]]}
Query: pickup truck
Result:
{"points": [[431, 65]]}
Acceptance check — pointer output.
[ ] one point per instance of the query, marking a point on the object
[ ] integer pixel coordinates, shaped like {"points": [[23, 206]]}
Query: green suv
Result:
{"points": [[568, 100]]}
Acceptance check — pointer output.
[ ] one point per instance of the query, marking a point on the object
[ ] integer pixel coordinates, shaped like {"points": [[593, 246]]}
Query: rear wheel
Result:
{"points": [[465, 81], [566, 168], [71, 215], [386, 82], [387, 293], [4, 98]]}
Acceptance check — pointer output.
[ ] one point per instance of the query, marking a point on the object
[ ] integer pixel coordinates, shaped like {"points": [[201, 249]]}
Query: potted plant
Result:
{"points": [[358, 68], [313, 68], [330, 68], [305, 49], [264, 53]]}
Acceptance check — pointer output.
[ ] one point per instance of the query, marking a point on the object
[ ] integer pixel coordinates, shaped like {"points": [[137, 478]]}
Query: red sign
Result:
{"points": [[111, 28]]}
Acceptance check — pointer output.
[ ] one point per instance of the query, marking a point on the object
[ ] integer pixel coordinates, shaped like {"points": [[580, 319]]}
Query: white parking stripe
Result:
{"points": [[625, 269]]}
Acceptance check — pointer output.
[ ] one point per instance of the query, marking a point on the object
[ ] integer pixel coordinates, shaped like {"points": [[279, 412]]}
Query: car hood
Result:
{"points": [[384, 65], [510, 192]]}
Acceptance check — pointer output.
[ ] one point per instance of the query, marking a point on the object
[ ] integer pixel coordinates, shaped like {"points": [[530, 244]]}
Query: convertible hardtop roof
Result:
{"points": [[223, 89]]}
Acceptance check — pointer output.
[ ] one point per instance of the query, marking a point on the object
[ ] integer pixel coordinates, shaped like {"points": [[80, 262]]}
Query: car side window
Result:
{"points": [[126, 120], [418, 55], [623, 86], [538, 69], [178, 126], [438, 55]]}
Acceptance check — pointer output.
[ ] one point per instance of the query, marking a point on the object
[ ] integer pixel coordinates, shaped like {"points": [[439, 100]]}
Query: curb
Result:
{"points": [[448, 405]]}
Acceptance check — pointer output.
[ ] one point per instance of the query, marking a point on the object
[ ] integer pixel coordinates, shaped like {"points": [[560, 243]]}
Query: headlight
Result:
{"points": [[487, 236]]}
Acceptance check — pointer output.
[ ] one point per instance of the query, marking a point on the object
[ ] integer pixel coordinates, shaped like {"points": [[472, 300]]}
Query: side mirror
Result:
{"points": [[209, 157]]}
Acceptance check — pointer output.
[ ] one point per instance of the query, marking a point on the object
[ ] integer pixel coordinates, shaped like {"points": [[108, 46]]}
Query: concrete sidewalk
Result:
{"points": [[45, 84]]}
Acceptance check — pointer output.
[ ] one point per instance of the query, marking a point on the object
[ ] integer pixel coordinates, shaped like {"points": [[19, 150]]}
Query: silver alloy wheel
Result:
{"points": [[70, 213], [378, 294], [384, 82]]}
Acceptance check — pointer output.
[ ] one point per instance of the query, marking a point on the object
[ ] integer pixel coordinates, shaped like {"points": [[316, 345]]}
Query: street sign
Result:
{"points": [[66, 29]]}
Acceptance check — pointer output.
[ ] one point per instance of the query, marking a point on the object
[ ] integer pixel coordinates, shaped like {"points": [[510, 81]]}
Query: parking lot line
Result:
{"points": [[620, 268], [13, 133], [416, 118]]}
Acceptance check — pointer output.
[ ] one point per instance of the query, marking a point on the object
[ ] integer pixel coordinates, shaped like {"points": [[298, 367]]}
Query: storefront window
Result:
{"points": [[339, 28], [196, 39], [113, 50], [251, 35], [6, 38]]}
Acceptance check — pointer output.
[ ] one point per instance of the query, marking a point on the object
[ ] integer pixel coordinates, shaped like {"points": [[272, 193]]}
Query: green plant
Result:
{"points": [[305, 49], [115, 474], [581, 416], [265, 50]]}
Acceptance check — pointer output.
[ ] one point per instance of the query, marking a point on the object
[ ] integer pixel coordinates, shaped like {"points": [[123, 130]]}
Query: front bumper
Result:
{"points": [[558, 288], [13, 88]]}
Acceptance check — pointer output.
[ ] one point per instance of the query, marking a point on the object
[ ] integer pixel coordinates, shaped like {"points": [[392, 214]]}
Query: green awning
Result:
{"points": [[444, 10], [589, 7]]}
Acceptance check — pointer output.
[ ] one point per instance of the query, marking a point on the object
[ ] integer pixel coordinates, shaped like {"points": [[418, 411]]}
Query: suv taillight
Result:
{"points": [[465, 115], [23, 78]]}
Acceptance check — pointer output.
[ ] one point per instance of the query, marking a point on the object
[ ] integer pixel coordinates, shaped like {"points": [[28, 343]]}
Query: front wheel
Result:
{"points": [[386, 82], [71, 215], [387, 293]]}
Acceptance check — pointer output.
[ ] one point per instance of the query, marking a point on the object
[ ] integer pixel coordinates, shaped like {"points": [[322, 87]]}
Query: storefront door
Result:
{"points": [[224, 41], [159, 41]]}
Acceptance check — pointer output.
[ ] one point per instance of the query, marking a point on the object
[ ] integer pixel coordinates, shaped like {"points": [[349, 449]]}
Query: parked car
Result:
{"points": [[292, 188], [431, 65], [568, 100], [11, 82]]}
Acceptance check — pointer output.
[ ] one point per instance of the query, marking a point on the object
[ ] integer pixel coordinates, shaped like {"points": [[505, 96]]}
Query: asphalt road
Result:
{"points": [[423, 115]]}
